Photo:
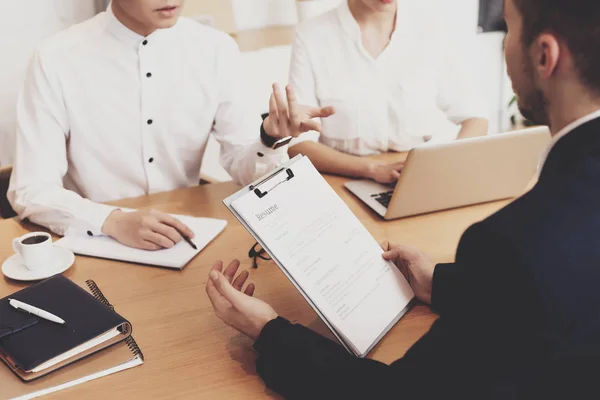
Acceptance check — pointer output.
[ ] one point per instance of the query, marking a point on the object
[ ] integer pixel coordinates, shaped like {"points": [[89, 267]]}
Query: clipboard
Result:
{"points": [[272, 181], [277, 180]]}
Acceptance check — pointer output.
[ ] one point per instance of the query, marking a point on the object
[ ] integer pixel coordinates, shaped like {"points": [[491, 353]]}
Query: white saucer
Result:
{"points": [[14, 268]]}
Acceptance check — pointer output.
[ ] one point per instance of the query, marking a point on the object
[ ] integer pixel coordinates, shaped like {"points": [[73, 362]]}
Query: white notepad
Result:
{"points": [[177, 257], [326, 252]]}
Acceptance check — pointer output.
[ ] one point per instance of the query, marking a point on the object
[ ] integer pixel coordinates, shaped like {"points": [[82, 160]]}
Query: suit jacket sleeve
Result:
{"points": [[448, 288], [454, 358]]}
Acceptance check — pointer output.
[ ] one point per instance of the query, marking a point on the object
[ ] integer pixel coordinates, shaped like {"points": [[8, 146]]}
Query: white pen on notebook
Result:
{"points": [[19, 305]]}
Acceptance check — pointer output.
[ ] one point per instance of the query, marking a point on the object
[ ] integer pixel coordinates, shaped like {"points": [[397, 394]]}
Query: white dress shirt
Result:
{"points": [[107, 114], [415, 90]]}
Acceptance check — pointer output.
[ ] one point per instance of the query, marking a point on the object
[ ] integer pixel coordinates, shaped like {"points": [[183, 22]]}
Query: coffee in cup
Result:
{"points": [[36, 250], [37, 239]]}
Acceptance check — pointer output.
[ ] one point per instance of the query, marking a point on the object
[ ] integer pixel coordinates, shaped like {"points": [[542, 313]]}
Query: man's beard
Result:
{"points": [[533, 107], [533, 104]]}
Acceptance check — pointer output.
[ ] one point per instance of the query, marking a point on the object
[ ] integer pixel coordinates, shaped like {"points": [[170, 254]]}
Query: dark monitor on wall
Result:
{"points": [[491, 16]]}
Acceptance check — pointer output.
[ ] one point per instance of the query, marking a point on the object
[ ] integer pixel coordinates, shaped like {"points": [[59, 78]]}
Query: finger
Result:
{"points": [[158, 239], [175, 223], [293, 106], [395, 175], [273, 108], [282, 108], [250, 290], [225, 289], [398, 251], [167, 231], [238, 282], [220, 303], [385, 245], [398, 166], [322, 112], [231, 270], [146, 245], [311, 125], [403, 267], [217, 266]]}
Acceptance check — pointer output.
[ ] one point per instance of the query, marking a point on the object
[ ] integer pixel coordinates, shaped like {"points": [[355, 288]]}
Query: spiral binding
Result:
{"points": [[98, 294], [133, 346], [130, 341]]}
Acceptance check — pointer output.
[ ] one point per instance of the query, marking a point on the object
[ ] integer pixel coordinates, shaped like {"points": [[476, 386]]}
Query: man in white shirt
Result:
{"points": [[121, 106], [396, 77]]}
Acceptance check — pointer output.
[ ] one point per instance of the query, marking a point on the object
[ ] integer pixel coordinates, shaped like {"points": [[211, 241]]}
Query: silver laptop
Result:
{"points": [[440, 176]]}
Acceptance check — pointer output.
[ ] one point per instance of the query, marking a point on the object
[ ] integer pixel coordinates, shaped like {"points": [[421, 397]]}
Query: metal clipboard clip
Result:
{"points": [[288, 175]]}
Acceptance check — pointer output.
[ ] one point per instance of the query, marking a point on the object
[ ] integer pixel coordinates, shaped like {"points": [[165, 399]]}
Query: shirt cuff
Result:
{"points": [[92, 218], [271, 334], [447, 286], [267, 155]]}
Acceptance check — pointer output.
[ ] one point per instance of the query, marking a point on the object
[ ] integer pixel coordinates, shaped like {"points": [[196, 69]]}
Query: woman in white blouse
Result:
{"points": [[388, 69]]}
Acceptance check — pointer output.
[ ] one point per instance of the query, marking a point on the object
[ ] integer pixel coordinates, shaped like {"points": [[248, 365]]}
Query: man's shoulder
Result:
{"points": [[523, 211], [517, 228], [79, 34], [545, 212]]}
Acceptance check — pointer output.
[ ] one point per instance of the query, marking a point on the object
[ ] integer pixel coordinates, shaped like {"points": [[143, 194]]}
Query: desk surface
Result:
{"points": [[192, 354]]}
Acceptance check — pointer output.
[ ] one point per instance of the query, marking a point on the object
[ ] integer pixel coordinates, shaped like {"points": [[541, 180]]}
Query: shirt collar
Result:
{"points": [[568, 129], [350, 25], [120, 31], [126, 35]]}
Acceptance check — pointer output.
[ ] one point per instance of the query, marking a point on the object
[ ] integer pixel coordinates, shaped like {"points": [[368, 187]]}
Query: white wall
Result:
{"points": [[253, 14], [23, 23]]}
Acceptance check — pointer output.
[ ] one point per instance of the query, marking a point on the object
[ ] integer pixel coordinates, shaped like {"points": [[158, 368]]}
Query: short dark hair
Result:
{"points": [[576, 22]]}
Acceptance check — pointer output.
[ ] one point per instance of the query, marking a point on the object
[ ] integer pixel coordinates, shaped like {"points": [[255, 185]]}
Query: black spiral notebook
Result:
{"points": [[100, 345]]}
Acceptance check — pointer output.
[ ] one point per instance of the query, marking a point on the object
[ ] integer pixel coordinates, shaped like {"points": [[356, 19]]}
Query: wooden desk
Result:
{"points": [[192, 354]]}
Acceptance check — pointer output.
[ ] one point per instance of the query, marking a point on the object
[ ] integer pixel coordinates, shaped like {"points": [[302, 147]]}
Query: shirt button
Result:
{"points": [[149, 122], [90, 233], [151, 159], [145, 42], [148, 75]]}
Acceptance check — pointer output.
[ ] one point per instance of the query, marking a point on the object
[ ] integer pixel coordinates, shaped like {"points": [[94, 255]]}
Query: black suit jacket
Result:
{"points": [[519, 309]]}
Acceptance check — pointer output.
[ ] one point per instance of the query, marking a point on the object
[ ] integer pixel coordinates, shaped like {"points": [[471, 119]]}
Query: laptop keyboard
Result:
{"points": [[383, 198]]}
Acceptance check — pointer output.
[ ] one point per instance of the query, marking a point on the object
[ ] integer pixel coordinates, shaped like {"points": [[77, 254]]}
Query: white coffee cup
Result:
{"points": [[35, 249]]}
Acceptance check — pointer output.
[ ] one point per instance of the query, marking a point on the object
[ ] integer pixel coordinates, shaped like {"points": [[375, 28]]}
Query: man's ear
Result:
{"points": [[545, 53]]}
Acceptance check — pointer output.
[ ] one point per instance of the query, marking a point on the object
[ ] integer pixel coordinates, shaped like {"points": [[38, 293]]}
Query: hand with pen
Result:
{"points": [[146, 229]]}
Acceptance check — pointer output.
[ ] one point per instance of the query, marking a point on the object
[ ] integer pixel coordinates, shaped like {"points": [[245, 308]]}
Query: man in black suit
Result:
{"points": [[520, 307]]}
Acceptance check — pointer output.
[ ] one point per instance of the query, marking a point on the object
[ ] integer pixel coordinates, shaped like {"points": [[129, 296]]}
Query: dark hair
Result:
{"points": [[574, 21]]}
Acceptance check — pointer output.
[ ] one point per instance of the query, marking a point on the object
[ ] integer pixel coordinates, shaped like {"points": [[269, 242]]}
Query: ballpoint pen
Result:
{"points": [[19, 305], [187, 239]]}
